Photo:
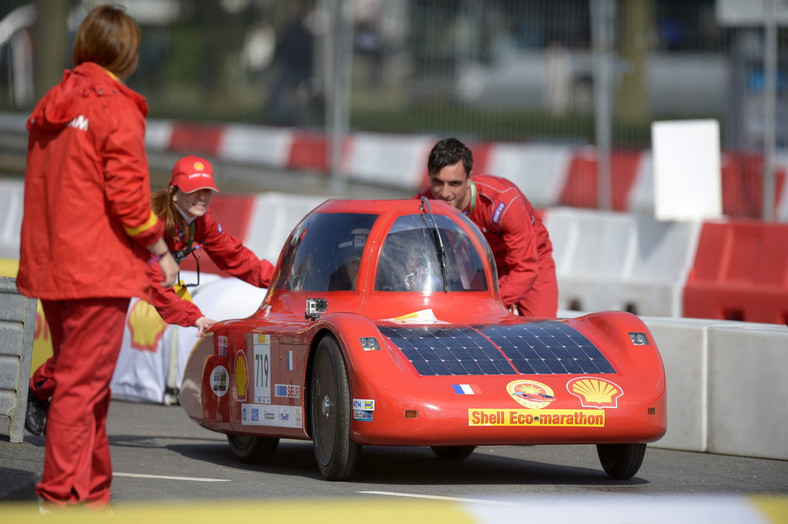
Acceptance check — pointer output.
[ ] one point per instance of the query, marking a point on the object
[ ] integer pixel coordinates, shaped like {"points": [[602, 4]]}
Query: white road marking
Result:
{"points": [[437, 497], [165, 477]]}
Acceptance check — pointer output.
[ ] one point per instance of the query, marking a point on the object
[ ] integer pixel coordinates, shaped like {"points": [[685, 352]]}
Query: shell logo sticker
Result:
{"points": [[241, 375], [595, 392], [531, 394], [145, 326], [198, 166]]}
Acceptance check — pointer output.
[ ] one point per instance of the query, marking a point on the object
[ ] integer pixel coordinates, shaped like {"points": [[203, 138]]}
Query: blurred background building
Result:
{"points": [[575, 72]]}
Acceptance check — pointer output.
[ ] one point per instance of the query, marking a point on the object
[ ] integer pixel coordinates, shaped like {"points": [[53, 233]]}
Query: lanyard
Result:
{"points": [[183, 253]]}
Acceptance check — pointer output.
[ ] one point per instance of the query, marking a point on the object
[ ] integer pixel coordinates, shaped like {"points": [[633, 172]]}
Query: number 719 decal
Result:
{"points": [[262, 369]]}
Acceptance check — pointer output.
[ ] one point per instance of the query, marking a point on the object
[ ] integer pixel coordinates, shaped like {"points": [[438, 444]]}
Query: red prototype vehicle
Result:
{"points": [[384, 326]]}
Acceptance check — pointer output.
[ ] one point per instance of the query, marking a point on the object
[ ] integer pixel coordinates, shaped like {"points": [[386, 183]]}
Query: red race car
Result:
{"points": [[384, 326]]}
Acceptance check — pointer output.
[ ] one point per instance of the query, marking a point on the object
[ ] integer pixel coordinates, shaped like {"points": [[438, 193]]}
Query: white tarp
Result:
{"points": [[154, 354]]}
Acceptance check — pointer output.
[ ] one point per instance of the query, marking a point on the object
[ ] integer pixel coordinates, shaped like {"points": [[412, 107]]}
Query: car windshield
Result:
{"points": [[409, 258], [323, 252]]}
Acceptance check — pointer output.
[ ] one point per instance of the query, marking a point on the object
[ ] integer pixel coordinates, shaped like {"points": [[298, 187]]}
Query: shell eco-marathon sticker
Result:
{"points": [[595, 392], [241, 375], [219, 380], [545, 418], [274, 416], [531, 394]]}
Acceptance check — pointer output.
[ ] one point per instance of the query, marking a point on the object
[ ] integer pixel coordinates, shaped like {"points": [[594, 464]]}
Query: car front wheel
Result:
{"points": [[331, 412], [621, 461]]}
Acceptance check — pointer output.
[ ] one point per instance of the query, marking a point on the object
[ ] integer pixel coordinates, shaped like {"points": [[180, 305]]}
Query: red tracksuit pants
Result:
{"points": [[542, 300], [86, 339]]}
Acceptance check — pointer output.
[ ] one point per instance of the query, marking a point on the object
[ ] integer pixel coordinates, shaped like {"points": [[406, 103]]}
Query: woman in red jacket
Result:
{"points": [[190, 230], [87, 233]]}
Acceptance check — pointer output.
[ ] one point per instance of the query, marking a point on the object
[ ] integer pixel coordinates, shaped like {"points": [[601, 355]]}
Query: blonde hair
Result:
{"points": [[110, 38], [165, 208]]}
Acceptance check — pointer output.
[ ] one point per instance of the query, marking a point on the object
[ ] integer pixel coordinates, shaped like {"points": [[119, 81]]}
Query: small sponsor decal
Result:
{"points": [[219, 380], [364, 404], [362, 415], [546, 418], [424, 316], [222, 342], [241, 375], [287, 391], [272, 416], [595, 392], [497, 215], [466, 389], [531, 394]]}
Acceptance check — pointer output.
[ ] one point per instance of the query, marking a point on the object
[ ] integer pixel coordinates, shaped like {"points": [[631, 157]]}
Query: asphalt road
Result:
{"points": [[159, 454]]}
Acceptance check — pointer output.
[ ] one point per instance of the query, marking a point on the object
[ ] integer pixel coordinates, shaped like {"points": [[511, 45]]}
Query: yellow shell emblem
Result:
{"points": [[241, 374], [145, 326], [595, 392]]}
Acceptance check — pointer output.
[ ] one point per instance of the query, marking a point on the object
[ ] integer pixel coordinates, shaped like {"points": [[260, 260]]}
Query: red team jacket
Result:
{"points": [[226, 251], [520, 244], [87, 211]]}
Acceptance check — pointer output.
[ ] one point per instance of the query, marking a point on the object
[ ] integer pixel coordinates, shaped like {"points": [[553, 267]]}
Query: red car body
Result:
{"points": [[384, 326]]}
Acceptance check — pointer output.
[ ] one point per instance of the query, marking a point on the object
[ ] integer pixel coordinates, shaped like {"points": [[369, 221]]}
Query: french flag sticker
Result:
{"points": [[466, 389]]}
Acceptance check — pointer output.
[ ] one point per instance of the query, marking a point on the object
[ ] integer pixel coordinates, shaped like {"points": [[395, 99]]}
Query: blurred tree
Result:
{"points": [[51, 37], [636, 24]]}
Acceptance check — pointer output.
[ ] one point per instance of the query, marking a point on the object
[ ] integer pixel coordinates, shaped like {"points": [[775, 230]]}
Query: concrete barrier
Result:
{"points": [[17, 323], [726, 384], [11, 205], [273, 218], [630, 262], [748, 388]]}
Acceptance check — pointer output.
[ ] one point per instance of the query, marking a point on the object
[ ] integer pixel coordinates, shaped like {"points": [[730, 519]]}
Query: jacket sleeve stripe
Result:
{"points": [[134, 231]]}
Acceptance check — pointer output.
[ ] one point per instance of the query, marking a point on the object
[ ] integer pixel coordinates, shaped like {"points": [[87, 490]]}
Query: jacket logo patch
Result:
{"points": [[497, 215], [80, 123]]}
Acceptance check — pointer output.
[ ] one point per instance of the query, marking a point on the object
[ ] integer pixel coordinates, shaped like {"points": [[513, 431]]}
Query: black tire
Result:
{"points": [[251, 449], [453, 453], [621, 461], [331, 412]]}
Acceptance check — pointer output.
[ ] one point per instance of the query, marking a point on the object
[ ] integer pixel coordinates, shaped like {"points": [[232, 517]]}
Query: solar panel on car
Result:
{"points": [[448, 351], [547, 348], [535, 348]]}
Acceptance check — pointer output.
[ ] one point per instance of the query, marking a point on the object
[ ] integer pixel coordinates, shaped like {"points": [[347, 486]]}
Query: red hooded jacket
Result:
{"points": [[87, 214], [226, 251], [519, 242]]}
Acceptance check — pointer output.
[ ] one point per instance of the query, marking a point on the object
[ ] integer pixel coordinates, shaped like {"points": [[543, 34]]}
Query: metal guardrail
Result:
{"points": [[17, 329]]}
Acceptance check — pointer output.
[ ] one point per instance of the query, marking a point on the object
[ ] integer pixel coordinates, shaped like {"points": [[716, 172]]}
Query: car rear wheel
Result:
{"points": [[251, 449], [621, 461], [453, 453], [331, 412]]}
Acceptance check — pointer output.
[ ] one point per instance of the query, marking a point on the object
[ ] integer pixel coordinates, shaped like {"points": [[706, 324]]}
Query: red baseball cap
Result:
{"points": [[192, 173]]}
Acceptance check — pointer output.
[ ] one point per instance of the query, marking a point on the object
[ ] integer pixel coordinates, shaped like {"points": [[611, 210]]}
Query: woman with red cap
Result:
{"points": [[189, 229]]}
